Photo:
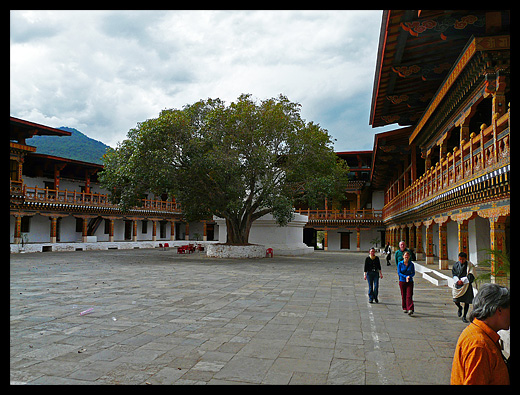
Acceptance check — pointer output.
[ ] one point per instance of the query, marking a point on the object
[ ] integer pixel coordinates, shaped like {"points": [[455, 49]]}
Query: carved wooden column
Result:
{"points": [[57, 169], [17, 228], [463, 236], [84, 226], [498, 243], [111, 230], [18, 225], [326, 240], [427, 156], [498, 109], [110, 227], [497, 220], [464, 132], [154, 230], [54, 221], [411, 237], [429, 241], [84, 229], [462, 229], [134, 226], [54, 225], [204, 231], [443, 242], [419, 253], [187, 232], [443, 246]]}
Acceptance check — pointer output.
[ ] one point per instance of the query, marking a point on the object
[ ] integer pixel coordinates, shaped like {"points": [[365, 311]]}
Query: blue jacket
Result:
{"points": [[405, 270]]}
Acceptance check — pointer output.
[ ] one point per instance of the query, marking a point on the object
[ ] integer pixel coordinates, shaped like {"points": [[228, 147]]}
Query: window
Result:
{"points": [[162, 229], [79, 225], [13, 169], [144, 226], [26, 225]]}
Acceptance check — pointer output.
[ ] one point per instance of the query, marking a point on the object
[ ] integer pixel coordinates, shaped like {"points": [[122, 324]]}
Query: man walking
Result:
{"points": [[400, 252]]}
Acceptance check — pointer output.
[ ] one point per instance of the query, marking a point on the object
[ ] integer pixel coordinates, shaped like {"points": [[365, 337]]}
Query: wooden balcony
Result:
{"points": [[485, 153], [344, 216], [74, 198]]}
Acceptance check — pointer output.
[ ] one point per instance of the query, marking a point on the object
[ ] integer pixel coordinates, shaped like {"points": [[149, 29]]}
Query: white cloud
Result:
{"points": [[103, 71]]}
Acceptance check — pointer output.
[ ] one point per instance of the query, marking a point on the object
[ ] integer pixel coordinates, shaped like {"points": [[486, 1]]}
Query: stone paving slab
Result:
{"points": [[163, 318]]}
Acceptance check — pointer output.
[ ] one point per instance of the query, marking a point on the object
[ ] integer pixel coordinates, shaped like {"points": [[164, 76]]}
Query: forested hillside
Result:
{"points": [[77, 146]]}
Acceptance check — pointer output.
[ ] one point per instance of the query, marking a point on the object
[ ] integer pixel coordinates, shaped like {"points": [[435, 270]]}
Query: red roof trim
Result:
{"points": [[369, 152], [71, 161], [43, 128], [379, 62]]}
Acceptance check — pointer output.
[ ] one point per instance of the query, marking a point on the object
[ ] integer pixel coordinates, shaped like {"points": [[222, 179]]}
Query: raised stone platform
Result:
{"points": [[284, 240], [231, 251]]}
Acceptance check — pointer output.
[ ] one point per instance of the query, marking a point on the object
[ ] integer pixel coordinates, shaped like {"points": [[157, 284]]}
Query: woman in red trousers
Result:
{"points": [[406, 271]]}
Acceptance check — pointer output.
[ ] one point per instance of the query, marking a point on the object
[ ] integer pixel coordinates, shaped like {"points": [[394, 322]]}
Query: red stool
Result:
{"points": [[269, 251]]}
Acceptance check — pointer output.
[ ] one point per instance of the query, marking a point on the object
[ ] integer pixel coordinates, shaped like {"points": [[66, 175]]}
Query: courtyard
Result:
{"points": [[163, 318]]}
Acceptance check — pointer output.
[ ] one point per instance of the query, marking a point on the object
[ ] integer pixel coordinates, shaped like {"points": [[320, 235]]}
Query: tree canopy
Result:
{"points": [[238, 162]]}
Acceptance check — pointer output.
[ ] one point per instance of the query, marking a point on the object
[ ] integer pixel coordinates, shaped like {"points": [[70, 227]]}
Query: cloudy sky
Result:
{"points": [[101, 72]]}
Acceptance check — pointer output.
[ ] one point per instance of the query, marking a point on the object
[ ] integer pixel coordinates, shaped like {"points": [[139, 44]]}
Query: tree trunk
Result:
{"points": [[238, 228], [237, 232]]}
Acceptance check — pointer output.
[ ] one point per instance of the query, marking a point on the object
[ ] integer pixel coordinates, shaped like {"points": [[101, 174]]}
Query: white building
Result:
{"points": [[56, 201]]}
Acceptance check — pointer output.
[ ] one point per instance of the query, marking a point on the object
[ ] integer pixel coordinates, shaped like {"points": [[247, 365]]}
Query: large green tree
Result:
{"points": [[238, 162]]}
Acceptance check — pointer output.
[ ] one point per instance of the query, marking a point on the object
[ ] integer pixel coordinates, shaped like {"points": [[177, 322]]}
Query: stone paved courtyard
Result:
{"points": [[163, 318]]}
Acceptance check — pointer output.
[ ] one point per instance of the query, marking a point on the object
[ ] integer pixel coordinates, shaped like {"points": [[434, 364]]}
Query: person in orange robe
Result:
{"points": [[478, 356]]}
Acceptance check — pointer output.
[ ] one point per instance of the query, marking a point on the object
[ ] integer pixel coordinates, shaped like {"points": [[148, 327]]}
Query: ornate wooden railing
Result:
{"points": [[482, 154], [335, 215], [65, 197]]}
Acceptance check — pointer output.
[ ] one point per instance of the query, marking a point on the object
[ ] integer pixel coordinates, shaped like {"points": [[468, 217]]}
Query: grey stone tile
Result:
{"points": [[194, 320], [245, 369]]}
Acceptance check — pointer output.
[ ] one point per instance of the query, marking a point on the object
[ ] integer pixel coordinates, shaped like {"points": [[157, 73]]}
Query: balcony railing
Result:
{"points": [[65, 197], [482, 154], [338, 215]]}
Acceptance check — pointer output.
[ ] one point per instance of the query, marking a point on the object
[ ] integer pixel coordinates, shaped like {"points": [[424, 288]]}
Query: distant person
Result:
{"points": [[400, 251], [463, 277], [406, 271], [388, 252], [413, 257], [478, 356], [372, 273]]}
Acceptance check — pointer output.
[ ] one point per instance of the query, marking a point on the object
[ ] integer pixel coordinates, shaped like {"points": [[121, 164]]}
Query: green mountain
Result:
{"points": [[77, 146]]}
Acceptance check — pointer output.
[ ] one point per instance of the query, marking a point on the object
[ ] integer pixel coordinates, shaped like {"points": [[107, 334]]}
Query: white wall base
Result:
{"points": [[117, 245]]}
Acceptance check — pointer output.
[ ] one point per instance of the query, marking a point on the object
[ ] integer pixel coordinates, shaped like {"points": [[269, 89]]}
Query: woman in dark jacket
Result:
{"points": [[372, 273]]}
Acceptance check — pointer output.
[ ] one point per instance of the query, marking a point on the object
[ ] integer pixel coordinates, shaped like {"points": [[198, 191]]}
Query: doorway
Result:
{"points": [[128, 230], [310, 237], [345, 240]]}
